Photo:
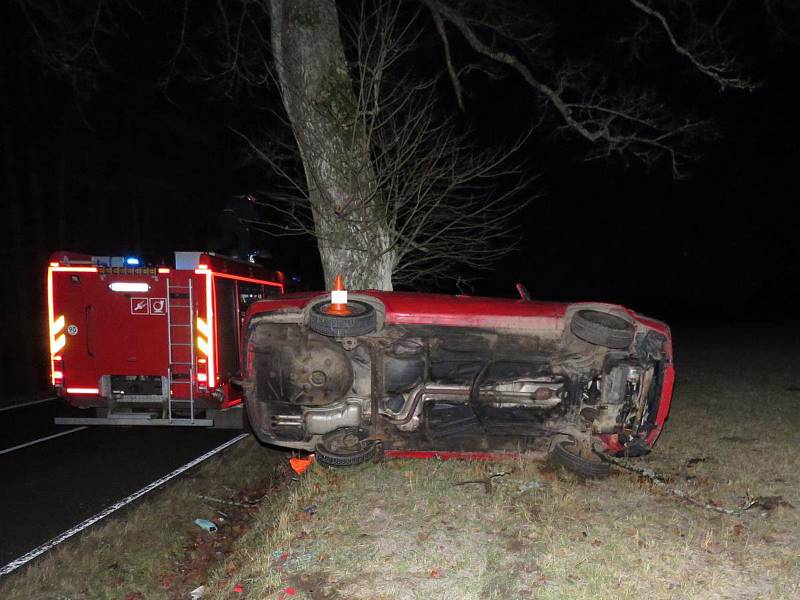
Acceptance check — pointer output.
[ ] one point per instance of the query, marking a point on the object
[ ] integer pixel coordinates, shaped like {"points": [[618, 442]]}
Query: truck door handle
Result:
{"points": [[86, 311]]}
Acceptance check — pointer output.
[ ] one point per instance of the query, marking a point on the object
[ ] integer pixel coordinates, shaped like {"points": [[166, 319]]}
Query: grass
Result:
{"points": [[153, 549], [402, 529]]}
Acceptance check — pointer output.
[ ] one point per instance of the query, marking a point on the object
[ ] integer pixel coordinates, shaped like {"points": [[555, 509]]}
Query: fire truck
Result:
{"points": [[151, 345]]}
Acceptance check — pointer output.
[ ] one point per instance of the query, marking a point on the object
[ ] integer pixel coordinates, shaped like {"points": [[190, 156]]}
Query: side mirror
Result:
{"points": [[523, 292]]}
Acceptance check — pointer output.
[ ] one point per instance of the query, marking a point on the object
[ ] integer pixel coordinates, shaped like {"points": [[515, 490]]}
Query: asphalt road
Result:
{"points": [[50, 486]]}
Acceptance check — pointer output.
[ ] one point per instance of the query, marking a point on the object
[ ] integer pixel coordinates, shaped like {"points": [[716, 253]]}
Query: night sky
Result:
{"points": [[124, 166]]}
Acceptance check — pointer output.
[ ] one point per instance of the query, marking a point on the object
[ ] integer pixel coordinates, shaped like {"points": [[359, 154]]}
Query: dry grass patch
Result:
{"points": [[402, 529]]}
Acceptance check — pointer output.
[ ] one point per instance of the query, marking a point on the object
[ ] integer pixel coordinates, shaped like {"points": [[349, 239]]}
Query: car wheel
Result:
{"points": [[361, 320], [602, 328], [346, 447], [564, 454]]}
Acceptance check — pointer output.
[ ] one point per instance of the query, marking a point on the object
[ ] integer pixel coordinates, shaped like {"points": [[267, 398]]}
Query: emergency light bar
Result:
{"points": [[132, 261], [129, 286]]}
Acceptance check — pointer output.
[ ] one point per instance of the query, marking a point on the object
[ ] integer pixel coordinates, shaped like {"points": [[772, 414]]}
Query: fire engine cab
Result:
{"points": [[151, 345]]}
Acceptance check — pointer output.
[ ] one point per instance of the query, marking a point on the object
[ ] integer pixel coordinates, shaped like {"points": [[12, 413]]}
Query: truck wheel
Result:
{"points": [[563, 454], [345, 447], [361, 320], [602, 329]]}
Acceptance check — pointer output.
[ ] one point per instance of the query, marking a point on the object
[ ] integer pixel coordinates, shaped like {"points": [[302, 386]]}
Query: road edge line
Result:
{"points": [[40, 440], [29, 556], [31, 403]]}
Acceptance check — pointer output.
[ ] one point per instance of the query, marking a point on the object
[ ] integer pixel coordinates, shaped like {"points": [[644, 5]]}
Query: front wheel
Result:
{"points": [[564, 453]]}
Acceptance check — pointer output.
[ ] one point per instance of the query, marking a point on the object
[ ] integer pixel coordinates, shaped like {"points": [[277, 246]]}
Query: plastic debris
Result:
{"points": [[197, 592], [310, 509], [206, 524], [238, 588], [299, 465]]}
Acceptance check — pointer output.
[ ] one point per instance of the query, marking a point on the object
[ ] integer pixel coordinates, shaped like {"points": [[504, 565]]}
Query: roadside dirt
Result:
{"points": [[234, 516]]}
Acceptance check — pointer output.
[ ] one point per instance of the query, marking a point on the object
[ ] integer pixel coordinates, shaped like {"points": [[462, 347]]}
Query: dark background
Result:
{"points": [[127, 169]]}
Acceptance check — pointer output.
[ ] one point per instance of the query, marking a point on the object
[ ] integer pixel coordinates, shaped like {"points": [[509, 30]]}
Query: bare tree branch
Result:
{"points": [[437, 18], [625, 124], [721, 71]]}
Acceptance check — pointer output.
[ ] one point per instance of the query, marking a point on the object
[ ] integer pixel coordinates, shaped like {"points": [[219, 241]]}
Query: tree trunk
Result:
{"points": [[349, 218]]}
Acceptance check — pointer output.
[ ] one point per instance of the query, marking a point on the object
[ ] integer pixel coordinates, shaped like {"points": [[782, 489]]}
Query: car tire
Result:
{"points": [[332, 452], [361, 321], [562, 454], [602, 329]]}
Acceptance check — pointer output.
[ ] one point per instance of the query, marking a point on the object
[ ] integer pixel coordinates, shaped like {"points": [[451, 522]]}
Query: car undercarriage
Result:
{"points": [[344, 386]]}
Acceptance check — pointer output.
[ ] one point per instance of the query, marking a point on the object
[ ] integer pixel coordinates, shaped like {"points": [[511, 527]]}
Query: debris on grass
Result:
{"points": [[230, 502], [766, 502], [197, 592], [486, 481], [206, 525], [661, 482], [292, 562]]}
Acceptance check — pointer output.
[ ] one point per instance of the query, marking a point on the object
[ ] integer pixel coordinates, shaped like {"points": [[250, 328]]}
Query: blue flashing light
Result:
{"points": [[132, 261]]}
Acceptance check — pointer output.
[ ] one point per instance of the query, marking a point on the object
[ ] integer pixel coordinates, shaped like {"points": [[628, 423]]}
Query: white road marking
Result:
{"points": [[44, 439], [25, 558], [27, 403]]}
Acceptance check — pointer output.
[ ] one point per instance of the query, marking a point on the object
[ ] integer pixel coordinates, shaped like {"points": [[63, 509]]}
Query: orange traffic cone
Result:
{"points": [[338, 304], [299, 465]]}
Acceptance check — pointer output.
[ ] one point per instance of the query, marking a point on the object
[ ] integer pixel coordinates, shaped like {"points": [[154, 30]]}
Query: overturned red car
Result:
{"points": [[352, 376]]}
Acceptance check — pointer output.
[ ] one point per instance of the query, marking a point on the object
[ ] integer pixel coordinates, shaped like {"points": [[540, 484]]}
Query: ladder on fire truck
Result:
{"points": [[180, 340]]}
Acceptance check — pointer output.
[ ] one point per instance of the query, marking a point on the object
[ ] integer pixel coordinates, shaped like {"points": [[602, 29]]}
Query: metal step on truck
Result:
{"points": [[151, 344]]}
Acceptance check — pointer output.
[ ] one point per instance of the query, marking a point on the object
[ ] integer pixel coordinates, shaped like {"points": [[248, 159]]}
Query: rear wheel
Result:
{"points": [[360, 321], [346, 447]]}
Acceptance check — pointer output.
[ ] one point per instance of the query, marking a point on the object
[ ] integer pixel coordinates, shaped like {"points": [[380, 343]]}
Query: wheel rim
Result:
{"points": [[345, 442]]}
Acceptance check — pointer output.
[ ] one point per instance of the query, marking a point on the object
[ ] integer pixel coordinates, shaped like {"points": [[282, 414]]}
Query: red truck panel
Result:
{"points": [[102, 325]]}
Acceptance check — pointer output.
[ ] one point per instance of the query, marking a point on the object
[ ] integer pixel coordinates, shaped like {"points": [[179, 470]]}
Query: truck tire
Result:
{"points": [[602, 329], [562, 455], [346, 447], [362, 320]]}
